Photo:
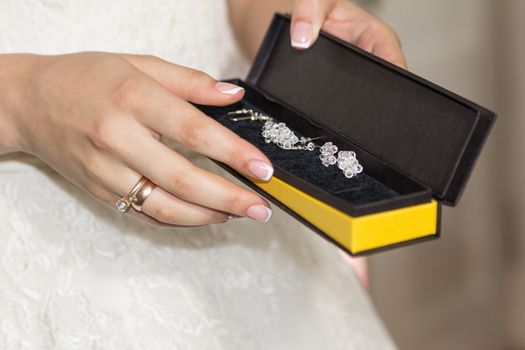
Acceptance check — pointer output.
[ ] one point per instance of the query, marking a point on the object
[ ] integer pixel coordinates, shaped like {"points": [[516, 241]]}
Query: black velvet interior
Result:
{"points": [[307, 165], [378, 188], [429, 133]]}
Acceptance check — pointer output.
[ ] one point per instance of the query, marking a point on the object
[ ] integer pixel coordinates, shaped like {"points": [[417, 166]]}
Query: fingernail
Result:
{"points": [[260, 170], [259, 212], [302, 35], [227, 88]]}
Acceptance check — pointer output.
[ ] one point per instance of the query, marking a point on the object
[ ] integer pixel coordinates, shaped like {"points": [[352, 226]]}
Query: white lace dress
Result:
{"points": [[77, 275]]}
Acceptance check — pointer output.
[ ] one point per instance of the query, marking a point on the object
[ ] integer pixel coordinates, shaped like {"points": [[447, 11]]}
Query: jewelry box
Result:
{"points": [[417, 142]]}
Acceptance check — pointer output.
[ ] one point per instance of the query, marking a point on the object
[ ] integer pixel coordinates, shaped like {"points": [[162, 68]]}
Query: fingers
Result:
{"points": [[176, 175], [389, 49], [160, 205], [158, 111], [175, 218], [308, 17], [348, 21], [381, 40], [173, 117], [169, 209], [189, 84]]}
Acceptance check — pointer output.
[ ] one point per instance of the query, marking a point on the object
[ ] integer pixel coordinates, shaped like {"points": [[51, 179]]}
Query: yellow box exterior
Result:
{"points": [[357, 234]]}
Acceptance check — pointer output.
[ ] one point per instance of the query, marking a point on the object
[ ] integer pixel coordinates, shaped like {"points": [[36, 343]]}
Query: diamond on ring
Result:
{"points": [[123, 205]]}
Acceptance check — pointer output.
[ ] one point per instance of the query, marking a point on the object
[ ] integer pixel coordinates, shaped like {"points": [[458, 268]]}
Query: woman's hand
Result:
{"points": [[348, 22], [97, 118], [342, 18]]}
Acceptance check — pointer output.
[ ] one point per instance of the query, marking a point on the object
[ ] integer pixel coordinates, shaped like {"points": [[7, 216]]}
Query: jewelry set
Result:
{"points": [[279, 134], [274, 132]]}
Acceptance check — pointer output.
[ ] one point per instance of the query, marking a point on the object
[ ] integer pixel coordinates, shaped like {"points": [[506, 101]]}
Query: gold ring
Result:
{"points": [[125, 202], [141, 195]]}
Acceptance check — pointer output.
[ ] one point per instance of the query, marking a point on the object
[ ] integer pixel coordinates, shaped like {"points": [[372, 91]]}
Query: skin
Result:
{"points": [[96, 118], [341, 18]]}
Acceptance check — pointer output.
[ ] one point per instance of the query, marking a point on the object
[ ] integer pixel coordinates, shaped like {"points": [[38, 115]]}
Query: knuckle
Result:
{"points": [[181, 182], [194, 77], [235, 202], [166, 214], [104, 134], [237, 153], [193, 131], [127, 92]]}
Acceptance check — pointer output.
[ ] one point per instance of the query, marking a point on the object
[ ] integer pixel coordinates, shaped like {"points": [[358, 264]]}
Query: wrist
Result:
{"points": [[15, 73]]}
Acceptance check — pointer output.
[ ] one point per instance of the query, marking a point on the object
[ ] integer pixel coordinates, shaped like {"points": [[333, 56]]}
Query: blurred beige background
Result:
{"points": [[466, 290]]}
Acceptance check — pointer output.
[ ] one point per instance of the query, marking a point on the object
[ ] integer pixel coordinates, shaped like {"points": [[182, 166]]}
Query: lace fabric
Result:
{"points": [[75, 274]]}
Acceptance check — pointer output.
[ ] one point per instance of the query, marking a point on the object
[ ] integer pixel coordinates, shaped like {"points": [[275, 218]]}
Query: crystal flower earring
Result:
{"points": [[279, 134], [275, 132], [345, 160]]}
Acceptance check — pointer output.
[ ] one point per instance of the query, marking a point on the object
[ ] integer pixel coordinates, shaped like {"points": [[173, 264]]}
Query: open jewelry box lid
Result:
{"points": [[424, 131]]}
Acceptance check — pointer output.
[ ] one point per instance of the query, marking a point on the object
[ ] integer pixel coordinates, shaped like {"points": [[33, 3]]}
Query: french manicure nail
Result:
{"points": [[259, 212], [302, 35], [260, 170], [227, 88]]}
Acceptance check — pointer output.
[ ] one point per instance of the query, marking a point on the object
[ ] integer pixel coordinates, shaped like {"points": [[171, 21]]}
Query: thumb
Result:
{"points": [[187, 83], [308, 17]]}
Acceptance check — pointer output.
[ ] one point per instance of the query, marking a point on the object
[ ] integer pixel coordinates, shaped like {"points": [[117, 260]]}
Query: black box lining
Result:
{"points": [[377, 189], [429, 133]]}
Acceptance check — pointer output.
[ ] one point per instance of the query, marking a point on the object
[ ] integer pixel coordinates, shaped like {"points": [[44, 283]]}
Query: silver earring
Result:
{"points": [[279, 134], [345, 160], [276, 132]]}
